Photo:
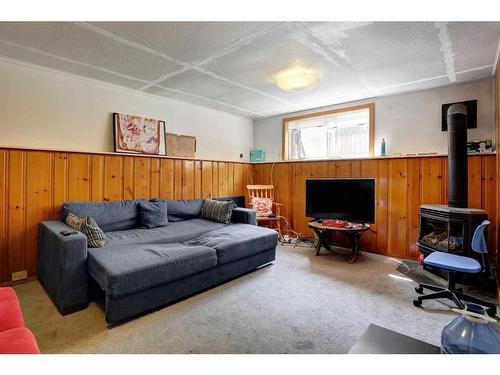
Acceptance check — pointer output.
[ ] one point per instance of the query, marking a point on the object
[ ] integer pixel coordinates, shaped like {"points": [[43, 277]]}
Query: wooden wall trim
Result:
{"points": [[35, 183], [370, 158], [402, 185], [48, 149]]}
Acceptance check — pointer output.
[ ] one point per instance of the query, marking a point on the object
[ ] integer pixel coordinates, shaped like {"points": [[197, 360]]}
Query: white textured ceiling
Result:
{"points": [[229, 65]]}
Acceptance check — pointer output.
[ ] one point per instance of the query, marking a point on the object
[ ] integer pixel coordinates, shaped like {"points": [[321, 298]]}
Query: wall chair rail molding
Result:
{"points": [[35, 183]]}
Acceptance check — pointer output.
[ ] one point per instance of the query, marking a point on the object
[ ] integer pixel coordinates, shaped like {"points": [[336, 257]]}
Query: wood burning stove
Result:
{"points": [[450, 228]]}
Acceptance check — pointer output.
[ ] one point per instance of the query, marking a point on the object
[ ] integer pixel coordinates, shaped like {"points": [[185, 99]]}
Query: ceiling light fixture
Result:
{"points": [[296, 79]]}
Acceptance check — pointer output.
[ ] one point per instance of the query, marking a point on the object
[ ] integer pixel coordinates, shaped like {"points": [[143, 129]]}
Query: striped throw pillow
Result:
{"points": [[88, 226], [217, 210]]}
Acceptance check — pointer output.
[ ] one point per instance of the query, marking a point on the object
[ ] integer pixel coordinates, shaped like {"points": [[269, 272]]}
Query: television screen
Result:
{"points": [[343, 199]]}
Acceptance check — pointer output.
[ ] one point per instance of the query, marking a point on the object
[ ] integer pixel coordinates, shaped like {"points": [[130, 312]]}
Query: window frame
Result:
{"points": [[371, 127]]}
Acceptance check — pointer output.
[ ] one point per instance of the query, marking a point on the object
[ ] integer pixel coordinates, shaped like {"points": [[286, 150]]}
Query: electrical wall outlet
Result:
{"points": [[20, 275]]}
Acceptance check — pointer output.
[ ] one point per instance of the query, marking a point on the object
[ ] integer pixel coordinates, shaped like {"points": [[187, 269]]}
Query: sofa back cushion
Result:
{"points": [[182, 209], [110, 216]]}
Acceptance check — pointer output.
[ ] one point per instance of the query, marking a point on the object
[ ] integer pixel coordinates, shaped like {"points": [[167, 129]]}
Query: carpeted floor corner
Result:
{"points": [[299, 304]]}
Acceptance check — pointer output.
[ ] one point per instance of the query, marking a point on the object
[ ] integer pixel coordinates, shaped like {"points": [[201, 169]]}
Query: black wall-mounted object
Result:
{"points": [[471, 106]]}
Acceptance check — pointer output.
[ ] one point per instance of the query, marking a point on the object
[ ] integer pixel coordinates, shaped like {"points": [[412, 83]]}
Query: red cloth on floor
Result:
{"points": [[10, 311], [18, 341]]}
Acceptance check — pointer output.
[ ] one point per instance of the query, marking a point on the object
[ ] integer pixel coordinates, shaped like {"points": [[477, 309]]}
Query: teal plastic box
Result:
{"points": [[257, 156]]}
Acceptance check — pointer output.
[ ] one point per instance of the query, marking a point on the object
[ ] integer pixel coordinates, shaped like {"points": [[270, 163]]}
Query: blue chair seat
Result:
{"points": [[452, 262]]}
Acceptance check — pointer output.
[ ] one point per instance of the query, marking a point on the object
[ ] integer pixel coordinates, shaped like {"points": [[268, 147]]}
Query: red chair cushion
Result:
{"points": [[10, 311], [18, 341]]}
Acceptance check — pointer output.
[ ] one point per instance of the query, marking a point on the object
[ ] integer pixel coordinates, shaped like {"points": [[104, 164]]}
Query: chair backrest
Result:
{"points": [[260, 191], [478, 242]]}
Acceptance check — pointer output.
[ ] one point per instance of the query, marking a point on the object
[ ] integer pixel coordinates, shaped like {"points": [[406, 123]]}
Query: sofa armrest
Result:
{"points": [[62, 266], [244, 216]]}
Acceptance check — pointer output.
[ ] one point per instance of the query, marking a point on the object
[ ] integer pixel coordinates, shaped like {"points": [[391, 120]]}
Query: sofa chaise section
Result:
{"points": [[121, 270], [119, 309]]}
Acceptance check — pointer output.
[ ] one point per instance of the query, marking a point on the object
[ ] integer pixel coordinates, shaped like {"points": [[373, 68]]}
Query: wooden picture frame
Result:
{"points": [[179, 145], [149, 135]]}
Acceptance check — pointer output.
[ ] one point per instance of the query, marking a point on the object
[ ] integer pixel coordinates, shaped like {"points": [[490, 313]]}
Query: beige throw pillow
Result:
{"points": [[262, 206]]}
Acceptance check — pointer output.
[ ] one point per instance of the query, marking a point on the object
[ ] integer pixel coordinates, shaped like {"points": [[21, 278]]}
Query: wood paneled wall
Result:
{"points": [[34, 184], [402, 185]]}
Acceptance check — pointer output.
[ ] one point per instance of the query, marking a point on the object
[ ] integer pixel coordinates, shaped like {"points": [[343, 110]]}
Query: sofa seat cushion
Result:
{"points": [[237, 241], [18, 341], [124, 269], [171, 233], [10, 311]]}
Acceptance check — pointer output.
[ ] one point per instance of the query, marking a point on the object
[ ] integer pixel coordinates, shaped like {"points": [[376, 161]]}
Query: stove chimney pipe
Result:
{"points": [[457, 156]]}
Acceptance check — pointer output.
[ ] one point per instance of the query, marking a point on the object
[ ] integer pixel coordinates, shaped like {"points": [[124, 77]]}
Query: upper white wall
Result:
{"points": [[410, 122], [47, 109]]}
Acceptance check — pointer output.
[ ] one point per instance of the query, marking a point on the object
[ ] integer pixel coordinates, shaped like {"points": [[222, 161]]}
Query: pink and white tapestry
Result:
{"points": [[138, 134]]}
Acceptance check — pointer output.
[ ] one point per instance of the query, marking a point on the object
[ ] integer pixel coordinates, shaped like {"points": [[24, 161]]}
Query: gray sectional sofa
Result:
{"points": [[142, 269]]}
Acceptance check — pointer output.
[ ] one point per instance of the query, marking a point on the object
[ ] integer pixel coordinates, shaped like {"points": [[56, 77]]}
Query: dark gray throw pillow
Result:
{"points": [[152, 214], [217, 210]]}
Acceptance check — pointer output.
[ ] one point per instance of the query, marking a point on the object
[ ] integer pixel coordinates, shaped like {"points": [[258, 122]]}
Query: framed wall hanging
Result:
{"points": [[181, 145], [139, 135]]}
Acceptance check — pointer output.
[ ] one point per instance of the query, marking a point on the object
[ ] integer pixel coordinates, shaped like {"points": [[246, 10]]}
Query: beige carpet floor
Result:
{"points": [[300, 304]]}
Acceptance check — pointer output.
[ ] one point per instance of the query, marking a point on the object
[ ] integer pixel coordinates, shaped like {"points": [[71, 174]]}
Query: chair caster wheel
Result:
{"points": [[419, 289], [417, 303], [492, 311]]}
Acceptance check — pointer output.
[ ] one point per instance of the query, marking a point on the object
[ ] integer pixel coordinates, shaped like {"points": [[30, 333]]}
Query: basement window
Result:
{"points": [[335, 134]]}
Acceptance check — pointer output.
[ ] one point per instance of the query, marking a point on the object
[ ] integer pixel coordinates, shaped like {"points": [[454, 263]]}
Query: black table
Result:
{"points": [[353, 233], [380, 340]]}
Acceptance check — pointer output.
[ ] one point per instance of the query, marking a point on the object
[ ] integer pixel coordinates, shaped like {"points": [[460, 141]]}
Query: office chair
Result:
{"points": [[456, 263]]}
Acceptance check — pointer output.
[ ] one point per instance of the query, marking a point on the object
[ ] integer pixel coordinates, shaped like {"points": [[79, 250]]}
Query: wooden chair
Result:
{"points": [[266, 191]]}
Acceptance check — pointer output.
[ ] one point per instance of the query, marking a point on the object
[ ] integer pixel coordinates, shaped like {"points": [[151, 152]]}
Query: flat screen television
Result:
{"points": [[349, 199]]}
